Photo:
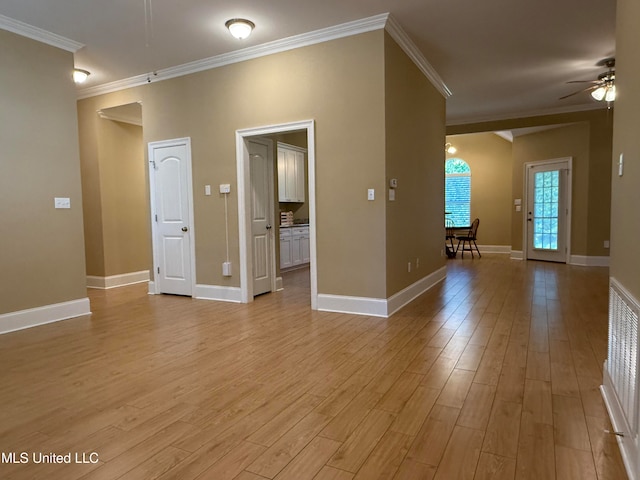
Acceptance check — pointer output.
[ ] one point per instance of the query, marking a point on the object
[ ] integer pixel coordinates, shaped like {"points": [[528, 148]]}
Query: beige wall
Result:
{"points": [[489, 157], [625, 221], [339, 84], [42, 251], [590, 140], [571, 141], [115, 195], [125, 200], [415, 119]]}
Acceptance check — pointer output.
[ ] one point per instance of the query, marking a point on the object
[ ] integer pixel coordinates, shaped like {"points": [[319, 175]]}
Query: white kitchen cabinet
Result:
{"points": [[294, 246], [285, 248], [291, 173], [305, 256]]}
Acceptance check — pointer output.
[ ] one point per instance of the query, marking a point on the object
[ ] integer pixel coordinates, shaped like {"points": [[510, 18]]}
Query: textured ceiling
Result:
{"points": [[499, 58]]}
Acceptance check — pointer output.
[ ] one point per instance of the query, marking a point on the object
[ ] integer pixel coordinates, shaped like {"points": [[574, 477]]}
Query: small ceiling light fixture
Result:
{"points": [[450, 148], [240, 28], [79, 75]]}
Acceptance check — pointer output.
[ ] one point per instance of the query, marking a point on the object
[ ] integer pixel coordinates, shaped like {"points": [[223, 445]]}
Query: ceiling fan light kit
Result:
{"points": [[604, 88]]}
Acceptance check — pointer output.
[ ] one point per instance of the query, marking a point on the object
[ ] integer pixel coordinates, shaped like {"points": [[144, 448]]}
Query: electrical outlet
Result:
{"points": [[226, 269], [371, 194], [225, 188], [409, 267], [606, 244]]}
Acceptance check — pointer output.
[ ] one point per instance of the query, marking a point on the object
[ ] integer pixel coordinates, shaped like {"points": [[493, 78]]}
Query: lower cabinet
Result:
{"points": [[294, 246]]}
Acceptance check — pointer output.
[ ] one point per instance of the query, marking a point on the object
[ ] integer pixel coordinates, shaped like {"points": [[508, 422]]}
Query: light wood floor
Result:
{"points": [[493, 374]]}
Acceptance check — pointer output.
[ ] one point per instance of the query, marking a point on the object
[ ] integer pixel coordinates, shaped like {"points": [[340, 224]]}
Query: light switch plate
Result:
{"points": [[621, 165], [62, 202], [207, 189], [371, 194]]}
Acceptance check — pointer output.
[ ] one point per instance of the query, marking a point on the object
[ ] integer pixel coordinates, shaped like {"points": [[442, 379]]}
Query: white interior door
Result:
{"points": [[548, 212], [170, 177], [261, 172]]}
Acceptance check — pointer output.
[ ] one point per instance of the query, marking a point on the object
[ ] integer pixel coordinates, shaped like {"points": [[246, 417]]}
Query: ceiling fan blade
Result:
{"points": [[593, 87], [584, 81]]}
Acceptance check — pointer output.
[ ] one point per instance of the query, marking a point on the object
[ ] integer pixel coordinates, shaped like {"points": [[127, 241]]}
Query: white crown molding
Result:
{"points": [[297, 41], [400, 36], [119, 118], [35, 33], [506, 134], [377, 22], [533, 113]]}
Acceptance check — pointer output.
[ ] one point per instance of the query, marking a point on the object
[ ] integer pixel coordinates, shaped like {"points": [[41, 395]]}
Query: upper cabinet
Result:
{"points": [[291, 173]]}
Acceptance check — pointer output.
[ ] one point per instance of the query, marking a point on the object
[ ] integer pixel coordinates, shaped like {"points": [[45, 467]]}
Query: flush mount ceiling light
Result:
{"points": [[450, 148], [79, 75], [240, 28]]}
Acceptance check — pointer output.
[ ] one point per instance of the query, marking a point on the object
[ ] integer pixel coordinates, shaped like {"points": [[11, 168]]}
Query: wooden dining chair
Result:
{"points": [[469, 239], [449, 237]]}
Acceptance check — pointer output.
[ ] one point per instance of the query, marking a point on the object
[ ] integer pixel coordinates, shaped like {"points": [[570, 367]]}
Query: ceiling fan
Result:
{"points": [[604, 87]]}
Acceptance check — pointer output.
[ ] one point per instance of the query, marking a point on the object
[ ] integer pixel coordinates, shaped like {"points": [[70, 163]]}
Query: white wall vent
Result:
{"points": [[620, 379]]}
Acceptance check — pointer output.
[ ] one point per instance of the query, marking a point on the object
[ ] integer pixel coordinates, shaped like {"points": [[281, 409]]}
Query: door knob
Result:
{"points": [[268, 227], [184, 229]]}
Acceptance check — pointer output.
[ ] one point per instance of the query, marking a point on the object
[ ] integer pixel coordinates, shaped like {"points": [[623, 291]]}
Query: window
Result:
{"points": [[457, 191]]}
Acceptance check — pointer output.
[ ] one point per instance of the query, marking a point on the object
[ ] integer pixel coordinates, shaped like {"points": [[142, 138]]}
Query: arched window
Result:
{"points": [[457, 191]]}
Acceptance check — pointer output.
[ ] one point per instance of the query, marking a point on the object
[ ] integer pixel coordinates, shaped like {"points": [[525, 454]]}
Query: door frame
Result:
{"points": [[525, 225], [244, 182], [154, 285]]}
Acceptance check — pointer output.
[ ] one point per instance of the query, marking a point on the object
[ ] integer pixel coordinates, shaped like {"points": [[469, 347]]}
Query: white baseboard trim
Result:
{"points": [[373, 307], [629, 449], [495, 248], [379, 307], [219, 293], [279, 284], [398, 300], [32, 317], [152, 288], [517, 255], [589, 261], [104, 283]]}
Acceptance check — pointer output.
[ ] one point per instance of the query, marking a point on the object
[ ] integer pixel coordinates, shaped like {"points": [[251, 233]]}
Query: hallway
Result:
{"points": [[492, 374]]}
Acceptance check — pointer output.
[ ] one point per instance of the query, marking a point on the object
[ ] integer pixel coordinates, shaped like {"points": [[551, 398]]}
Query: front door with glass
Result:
{"points": [[547, 211]]}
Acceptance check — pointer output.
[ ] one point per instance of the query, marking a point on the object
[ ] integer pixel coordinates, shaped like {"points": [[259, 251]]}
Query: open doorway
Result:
{"points": [[115, 200], [248, 255]]}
